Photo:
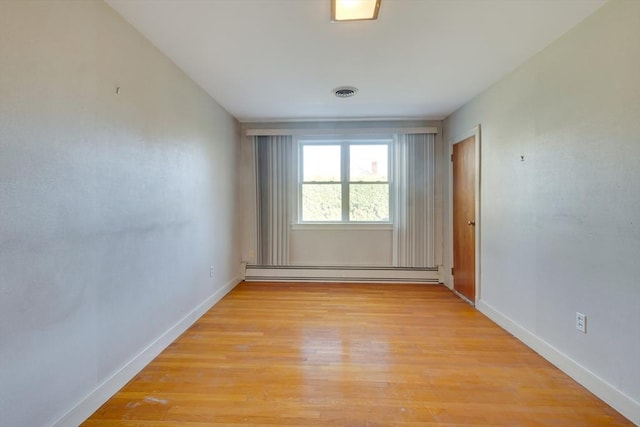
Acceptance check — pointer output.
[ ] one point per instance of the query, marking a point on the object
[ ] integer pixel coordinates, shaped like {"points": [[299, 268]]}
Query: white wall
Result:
{"points": [[332, 246], [112, 206], [561, 229]]}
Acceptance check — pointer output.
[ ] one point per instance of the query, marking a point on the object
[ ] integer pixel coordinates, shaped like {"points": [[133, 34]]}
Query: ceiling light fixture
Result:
{"points": [[354, 10]]}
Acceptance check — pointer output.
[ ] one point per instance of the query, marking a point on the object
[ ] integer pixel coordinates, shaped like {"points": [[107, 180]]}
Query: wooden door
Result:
{"points": [[464, 217]]}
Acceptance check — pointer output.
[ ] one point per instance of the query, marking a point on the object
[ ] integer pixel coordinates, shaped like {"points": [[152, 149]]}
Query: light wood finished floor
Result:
{"points": [[349, 355]]}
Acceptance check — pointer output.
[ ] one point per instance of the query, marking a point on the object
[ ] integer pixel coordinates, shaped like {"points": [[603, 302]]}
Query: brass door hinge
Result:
{"points": [[452, 157], [452, 271]]}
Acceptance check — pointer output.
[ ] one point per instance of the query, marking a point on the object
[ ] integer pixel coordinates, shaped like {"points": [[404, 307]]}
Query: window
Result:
{"points": [[344, 181]]}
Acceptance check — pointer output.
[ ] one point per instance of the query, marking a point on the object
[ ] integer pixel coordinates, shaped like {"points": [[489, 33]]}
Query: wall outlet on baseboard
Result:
{"points": [[211, 271], [581, 322]]}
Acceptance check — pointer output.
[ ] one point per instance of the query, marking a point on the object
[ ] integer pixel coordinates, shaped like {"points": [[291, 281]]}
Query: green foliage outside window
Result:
{"points": [[369, 202], [321, 202]]}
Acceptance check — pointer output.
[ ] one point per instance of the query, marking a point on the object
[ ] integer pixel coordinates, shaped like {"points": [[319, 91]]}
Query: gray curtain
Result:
{"points": [[274, 165], [414, 222]]}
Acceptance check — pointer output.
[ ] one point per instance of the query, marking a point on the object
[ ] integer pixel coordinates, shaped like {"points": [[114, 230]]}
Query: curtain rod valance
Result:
{"points": [[341, 132]]}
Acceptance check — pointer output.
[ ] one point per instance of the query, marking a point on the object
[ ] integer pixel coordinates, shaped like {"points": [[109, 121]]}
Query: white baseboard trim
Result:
{"points": [[621, 402], [259, 273], [88, 405]]}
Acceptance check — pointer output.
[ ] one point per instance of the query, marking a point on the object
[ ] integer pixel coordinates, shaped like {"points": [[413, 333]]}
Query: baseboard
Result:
{"points": [[87, 406], [622, 403], [257, 273]]}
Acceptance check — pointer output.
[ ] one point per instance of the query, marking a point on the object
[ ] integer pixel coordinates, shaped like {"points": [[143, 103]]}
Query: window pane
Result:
{"points": [[321, 202], [369, 162], [321, 162], [369, 202]]}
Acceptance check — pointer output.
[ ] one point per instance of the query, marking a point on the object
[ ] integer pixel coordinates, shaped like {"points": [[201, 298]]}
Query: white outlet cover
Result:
{"points": [[581, 322]]}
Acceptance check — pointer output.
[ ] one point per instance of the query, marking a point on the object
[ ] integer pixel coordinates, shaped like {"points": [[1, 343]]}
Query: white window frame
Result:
{"points": [[345, 143]]}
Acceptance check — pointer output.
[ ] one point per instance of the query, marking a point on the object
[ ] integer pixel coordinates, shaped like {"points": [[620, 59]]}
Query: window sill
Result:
{"points": [[343, 226]]}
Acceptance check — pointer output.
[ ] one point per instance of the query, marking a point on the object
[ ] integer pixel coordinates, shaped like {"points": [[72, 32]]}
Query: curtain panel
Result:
{"points": [[414, 185], [275, 182]]}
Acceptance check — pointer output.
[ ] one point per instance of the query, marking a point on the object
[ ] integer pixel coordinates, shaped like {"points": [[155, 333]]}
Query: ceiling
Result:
{"points": [[280, 59]]}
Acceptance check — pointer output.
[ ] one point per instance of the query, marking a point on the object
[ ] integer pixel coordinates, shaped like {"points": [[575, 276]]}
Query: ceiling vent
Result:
{"points": [[345, 91]]}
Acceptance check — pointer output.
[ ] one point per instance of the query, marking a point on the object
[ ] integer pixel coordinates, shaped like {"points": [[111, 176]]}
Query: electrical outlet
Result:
{"points": [[581, 322], [211, 271]]}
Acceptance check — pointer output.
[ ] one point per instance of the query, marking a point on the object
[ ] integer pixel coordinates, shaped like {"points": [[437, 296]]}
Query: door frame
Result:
{"points": [[475, 131]]}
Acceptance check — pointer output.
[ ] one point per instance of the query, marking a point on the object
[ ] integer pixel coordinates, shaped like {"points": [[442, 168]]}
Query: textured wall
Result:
{"points": [[112, 206], [561, 229]]}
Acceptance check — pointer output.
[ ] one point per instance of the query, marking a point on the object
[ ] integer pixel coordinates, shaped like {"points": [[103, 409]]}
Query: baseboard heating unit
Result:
{"points": [[262, 273]]}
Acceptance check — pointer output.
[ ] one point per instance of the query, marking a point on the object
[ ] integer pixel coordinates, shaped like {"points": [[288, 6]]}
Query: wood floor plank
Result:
{"points": [[278, 354]]}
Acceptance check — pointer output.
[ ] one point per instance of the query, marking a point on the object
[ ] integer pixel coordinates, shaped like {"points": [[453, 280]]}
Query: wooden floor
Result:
{"points": [[349, 355]]}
